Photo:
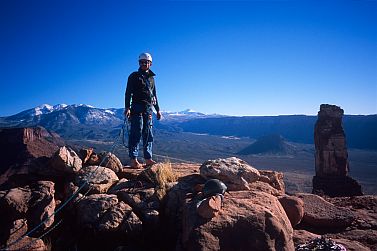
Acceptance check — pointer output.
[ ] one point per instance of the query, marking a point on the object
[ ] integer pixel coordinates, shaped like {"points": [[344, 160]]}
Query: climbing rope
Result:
{"points": [[40, 237], [66, 202], [125, 128]]}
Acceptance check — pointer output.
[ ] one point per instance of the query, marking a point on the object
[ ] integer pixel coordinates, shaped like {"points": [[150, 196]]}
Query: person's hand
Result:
{"points": [[159, 115], [127, 113]]}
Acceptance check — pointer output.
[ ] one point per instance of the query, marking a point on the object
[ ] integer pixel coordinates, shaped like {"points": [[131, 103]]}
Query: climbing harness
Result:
{"points": [[149, 87]]}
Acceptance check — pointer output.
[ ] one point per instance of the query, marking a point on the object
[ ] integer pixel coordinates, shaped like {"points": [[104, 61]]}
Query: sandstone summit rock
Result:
{"points": [[248, 221], [294, 208], [110, 161], [234, 172], [320, 213], [210, 207], [24, 208], [104, 213], [98, 178], [66, 161], [112, 207]]}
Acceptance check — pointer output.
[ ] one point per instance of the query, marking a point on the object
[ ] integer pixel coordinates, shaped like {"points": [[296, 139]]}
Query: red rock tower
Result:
{"points": [[331, 156]]}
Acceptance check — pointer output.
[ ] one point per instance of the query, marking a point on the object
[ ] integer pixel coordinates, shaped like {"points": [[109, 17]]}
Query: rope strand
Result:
{"points": [[64, 204], [121, 134]]}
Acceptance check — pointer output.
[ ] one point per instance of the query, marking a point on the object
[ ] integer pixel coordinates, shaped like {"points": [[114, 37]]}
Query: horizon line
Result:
{"points": [[188, 109]]}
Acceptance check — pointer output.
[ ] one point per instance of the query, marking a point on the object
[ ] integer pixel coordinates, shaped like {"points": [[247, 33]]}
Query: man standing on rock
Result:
{"points": [[140, 99]]}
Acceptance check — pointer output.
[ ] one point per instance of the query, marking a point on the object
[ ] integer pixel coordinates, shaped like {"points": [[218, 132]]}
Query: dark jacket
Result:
{"points": [[138, 90]]}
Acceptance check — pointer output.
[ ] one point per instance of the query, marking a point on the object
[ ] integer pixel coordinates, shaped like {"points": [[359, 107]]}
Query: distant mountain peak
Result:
{"points": [[46, 108], [188, 111], [83, 105], [59, 106], [42, 109], [184, 113]]}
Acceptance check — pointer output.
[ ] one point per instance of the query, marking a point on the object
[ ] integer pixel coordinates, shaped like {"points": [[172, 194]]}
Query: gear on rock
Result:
{"points": [[213, 187]]}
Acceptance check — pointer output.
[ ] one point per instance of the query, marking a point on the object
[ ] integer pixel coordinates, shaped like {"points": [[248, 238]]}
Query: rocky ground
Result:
{"points": [[62, 199]]}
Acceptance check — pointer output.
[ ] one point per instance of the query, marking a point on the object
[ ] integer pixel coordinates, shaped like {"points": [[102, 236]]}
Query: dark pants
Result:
{"points": [[141, 126]]}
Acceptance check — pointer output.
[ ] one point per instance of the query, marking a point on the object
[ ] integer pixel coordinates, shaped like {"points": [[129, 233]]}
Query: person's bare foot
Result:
{"points": [[150, 162], [135, 164]]}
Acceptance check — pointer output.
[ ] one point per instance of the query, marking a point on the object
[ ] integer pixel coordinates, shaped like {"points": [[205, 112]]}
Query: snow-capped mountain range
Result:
{"points": [[46, 108], [46, 115], [87, 121]]}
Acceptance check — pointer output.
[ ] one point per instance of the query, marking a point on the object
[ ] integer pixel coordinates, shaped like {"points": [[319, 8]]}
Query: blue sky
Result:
{"points": [[226, 57]]}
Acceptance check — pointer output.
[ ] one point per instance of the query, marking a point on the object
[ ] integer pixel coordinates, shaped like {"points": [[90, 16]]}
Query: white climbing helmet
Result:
{"points": [[145, 56]]}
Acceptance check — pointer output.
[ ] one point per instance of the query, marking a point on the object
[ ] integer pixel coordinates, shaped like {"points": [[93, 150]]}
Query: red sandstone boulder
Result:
{"points": [[320, 213], [98, 178], [364, 229], [104, 213], [85, 154], [351, 245], [248, 221], [116, 217], [264, 187], [92, 208], [121, 184], [234, 172], [173, 205], [111, 161], [273, 178], [34, 203], [69, 190], [66, 161], [19, 228], [303, 236], [294, 208], [210, 207], [94, 160], [367, 237], [22, 209], [363, 207], [144, 202]]}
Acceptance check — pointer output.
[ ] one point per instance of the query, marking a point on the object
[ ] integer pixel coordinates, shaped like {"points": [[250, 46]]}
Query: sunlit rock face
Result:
{"points": [[330, 142], [25, 153], [331, 156]]}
